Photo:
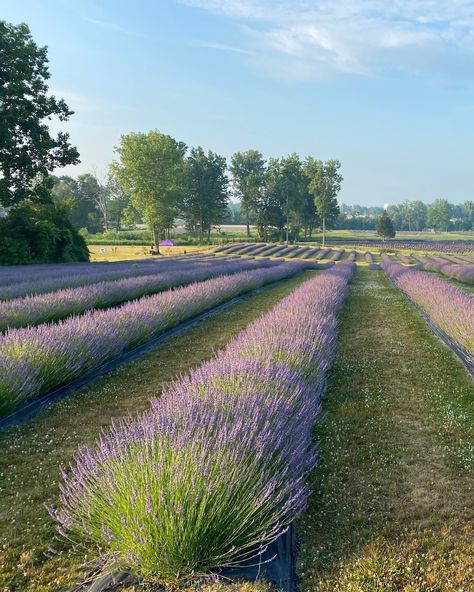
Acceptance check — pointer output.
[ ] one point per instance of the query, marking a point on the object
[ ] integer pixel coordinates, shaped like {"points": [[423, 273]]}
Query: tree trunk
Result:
{"points": [[324, 231], [201, 230], [156, 238], [248, 227]]}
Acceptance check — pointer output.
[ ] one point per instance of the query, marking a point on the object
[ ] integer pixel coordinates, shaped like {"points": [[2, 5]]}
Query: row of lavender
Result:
{"points": [[34, 360], [449, 307], [458, 246], [463, 272], [53, 306], [217, 469], [22, 283], [278, 250]]}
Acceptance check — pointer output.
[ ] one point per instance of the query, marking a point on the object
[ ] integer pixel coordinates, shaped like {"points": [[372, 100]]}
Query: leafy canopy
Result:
{"points": [[27, 149], [152, 171]]}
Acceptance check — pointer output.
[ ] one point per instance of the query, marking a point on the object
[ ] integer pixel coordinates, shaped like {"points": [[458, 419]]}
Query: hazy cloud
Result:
{"points": [[359, 37], [222, 47], [108, 25]]}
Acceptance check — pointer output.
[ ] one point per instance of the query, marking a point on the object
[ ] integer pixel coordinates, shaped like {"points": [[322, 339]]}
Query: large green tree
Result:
{"points": [[269, 214], [248, 177], [118, 199], [324, 184], [439, 214], [152, 171], [27, 148], [206, 199], [294, 191]]}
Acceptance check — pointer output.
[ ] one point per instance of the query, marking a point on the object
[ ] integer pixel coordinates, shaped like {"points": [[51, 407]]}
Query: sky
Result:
{"points": [[386, 87]]}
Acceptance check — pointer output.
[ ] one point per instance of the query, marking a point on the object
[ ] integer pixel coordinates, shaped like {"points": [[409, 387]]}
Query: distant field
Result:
{"points": [[121, 253]]}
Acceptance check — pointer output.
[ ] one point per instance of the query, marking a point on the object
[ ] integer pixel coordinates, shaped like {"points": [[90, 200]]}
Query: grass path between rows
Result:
{"points": [[30, 455], [392, 508]]}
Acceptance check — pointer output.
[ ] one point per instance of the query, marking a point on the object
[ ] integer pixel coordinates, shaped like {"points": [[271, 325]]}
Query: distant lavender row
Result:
{"points": [[460, 246], [351, 256], [217, 469], [450, 308], [34, 360], [20, 273], [58, 280], [463, 272], [53, 306]]}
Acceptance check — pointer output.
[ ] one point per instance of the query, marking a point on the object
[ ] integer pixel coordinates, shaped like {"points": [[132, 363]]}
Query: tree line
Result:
{"points": [[411, 215], [284, 197], [157, 179]]}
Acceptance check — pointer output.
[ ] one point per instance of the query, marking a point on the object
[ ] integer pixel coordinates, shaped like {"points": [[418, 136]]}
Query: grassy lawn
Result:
{"points": [[121, 252], [392, 506], [31, 556]]}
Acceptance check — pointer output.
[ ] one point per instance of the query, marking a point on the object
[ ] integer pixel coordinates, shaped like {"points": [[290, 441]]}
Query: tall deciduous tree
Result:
{"points": [[384, 226], [294, 190], [248, 177], [27, 148], [77, 197], [324, 184], [206, 198], [270, 217], [152, 170], [439, 214]]}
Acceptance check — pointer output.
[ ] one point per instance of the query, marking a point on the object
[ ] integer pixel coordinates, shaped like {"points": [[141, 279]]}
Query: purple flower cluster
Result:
{"points": [[449, 307], [53, 306], [36, 359], [217, 469]]}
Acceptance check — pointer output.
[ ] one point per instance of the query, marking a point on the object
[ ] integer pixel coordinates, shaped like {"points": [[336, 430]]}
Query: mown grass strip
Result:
{"points": [[31, 454], [392, 504]]}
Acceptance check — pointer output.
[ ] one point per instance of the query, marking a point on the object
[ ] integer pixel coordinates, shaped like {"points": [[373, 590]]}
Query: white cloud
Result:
{"points": [[108, 25], [359, 37], [222, 47]]}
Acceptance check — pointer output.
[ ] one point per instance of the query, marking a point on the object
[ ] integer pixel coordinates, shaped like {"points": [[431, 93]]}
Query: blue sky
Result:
{"points": [[385, 87]]}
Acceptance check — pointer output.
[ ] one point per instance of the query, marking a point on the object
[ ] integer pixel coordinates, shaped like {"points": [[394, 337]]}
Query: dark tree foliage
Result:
{"points": [[384, 226], [206, 197], [27, 148], [39, 231]]}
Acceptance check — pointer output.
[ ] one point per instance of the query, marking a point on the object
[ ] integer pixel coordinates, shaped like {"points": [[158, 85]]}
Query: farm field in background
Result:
{"points": [[110, 252], [386, 336]]}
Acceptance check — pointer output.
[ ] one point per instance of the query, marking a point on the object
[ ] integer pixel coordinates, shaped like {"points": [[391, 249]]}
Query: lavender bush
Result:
{"points": [[217, 469], [37, 359], [450, 308], [53, 306]]}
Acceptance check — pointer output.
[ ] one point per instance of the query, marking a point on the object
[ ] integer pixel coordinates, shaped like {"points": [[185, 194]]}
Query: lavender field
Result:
{"points": [[207, 454]]}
